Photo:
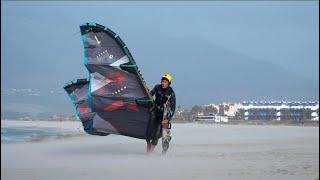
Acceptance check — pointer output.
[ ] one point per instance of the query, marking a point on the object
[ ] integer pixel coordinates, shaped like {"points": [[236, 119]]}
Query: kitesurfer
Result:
{"points": [[164, 94]]}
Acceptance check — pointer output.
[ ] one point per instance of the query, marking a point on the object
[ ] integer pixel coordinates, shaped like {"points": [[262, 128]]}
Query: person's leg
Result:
{"points": [[154, 132], [155, 137], [150, 131], [151, 142]]}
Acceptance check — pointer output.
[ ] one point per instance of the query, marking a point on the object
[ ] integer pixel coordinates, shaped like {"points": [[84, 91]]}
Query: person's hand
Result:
{"points": [[165, 122]]}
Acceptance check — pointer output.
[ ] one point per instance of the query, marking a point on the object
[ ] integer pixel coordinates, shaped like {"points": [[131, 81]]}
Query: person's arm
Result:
{"points": [[172, 106], [153, 91]]}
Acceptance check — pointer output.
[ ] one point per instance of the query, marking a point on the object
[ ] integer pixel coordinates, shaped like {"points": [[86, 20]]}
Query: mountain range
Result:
{"points": [[203, 73]]}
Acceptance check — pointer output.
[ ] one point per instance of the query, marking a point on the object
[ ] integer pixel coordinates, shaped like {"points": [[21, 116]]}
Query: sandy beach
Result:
{"points": [[198, 151]]}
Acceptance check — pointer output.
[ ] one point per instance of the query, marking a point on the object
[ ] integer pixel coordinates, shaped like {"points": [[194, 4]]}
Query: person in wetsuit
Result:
{"points": [[163, 93]]}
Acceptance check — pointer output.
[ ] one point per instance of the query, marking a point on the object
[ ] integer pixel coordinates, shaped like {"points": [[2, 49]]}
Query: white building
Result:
{"points": [[212, 118], [280, 110]]}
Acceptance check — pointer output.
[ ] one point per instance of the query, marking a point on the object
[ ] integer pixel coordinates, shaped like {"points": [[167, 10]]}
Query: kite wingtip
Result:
{"points": [[88, 24]]}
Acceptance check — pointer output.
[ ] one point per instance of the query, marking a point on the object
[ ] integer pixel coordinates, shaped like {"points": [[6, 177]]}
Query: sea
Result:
{"points": [[33, 134]]}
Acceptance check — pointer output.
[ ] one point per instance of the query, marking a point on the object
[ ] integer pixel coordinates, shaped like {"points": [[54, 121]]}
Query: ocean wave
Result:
{"points": [[39, 138], [34, 134]]}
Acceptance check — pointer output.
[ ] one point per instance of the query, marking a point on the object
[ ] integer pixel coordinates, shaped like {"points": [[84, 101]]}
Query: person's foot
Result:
{"points": [[148, 145], [151, 149], [148, 148]]}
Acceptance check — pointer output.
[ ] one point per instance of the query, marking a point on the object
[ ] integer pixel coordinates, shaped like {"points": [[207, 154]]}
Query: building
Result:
{"points": [[211, 118], [279, 110], [227, 109]]}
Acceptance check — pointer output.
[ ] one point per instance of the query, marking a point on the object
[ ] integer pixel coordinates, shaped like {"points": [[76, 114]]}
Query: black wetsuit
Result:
{"points": [[161, 97]]}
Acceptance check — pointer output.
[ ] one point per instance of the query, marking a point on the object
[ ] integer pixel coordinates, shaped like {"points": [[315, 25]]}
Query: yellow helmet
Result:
{"points": [[168, 77]]}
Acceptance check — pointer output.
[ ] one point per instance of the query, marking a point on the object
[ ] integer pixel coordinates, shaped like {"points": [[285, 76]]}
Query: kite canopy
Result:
{"points": [[115, 98], [78, 92]]}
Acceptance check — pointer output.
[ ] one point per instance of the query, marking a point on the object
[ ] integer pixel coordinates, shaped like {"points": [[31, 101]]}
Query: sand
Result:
{"points": [[198, 151]]}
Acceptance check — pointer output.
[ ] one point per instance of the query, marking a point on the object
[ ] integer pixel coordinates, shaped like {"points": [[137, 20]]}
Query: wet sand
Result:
{"points": [[198, 151]]}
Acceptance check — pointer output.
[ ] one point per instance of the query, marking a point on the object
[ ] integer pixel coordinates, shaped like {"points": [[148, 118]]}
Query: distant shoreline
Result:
{"points": [[258, 122], [231, 122], [13, 131]]}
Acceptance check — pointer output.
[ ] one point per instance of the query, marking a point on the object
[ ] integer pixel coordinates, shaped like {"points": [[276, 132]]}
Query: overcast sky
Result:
{"points": [[284, 33]]}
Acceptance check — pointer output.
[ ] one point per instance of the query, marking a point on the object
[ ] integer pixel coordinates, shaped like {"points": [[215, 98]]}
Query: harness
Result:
{"points": [[162, 98]]}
